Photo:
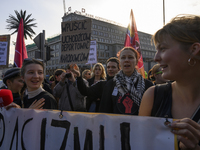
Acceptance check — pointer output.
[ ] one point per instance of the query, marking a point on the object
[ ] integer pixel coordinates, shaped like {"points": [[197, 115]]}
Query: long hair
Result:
{"points": [[103, 74]]}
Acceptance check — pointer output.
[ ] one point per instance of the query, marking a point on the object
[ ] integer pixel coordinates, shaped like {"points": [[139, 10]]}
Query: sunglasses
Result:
{"points": [[160, 72]]}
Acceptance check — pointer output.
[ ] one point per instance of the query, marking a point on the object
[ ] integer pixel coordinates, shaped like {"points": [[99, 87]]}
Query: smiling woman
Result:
{"points": [[178, 53], [123, 94], [32, 73]]}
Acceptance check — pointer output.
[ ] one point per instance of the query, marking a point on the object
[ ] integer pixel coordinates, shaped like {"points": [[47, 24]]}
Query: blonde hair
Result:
{"points": [[103, 74], [183, 28], [84, 72]]}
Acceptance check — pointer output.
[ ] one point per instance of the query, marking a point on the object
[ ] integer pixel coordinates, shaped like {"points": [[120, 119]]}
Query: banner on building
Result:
{"points": [[4, 50], [53, 130], [92, 58], [76, 37]]}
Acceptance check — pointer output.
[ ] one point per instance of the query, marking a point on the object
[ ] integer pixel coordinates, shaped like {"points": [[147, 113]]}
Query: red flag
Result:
{"points": [[20, 48], [132, 40]]}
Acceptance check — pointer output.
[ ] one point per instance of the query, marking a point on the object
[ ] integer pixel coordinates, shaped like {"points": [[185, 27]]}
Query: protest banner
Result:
{"points": [[48, 130], [4, 50], [76, 37], [92, 59]]}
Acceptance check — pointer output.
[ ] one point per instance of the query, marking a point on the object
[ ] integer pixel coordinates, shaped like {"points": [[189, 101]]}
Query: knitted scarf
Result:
{"points": [[134, 85]]}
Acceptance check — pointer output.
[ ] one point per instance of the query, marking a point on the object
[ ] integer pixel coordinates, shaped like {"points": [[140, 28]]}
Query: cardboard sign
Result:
{"points": [[45, 130], [76, 37]]}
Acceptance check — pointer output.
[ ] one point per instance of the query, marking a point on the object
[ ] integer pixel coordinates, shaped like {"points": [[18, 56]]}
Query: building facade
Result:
{"points": [[110, 39]]}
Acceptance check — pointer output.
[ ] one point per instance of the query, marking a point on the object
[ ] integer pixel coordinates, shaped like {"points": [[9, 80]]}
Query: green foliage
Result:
{"points": [[13, 23]]}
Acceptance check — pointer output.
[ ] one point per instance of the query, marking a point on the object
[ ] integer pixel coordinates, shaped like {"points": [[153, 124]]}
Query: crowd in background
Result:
{"points": [[171, 89]]}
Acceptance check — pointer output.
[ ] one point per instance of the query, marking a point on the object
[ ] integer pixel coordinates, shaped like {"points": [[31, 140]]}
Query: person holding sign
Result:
{"points": [[178, 53], [123, 94]]}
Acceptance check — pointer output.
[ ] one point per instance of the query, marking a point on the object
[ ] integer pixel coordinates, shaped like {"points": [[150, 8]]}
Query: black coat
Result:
{"points": [[110, 103]]}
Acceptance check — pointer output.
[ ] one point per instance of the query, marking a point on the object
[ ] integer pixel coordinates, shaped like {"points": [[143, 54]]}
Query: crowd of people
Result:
{"points": [[171, 89]]}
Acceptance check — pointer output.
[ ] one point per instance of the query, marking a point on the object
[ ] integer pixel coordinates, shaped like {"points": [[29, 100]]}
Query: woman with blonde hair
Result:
{"points": [[86, 74], [98, 74], [178, 53]]}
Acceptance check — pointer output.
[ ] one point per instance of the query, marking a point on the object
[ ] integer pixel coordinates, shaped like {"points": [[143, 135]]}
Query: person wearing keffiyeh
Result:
{"points": [[123, 94]]}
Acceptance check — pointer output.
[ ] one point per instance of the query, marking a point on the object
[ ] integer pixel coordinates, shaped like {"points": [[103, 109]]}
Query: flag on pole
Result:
{"points": [[132, 40], [20, 48]]}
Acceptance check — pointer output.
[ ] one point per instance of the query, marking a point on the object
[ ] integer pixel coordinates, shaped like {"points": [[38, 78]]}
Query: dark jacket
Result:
{"points": [[94, 92], [50, 102], [110, 104]]}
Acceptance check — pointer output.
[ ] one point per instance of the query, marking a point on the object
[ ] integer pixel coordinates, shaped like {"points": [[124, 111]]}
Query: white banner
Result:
{"points": [[3, 53], [45, 130], [92, 58]]}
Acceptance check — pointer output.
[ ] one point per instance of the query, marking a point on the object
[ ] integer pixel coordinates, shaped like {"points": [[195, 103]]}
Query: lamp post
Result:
{"points": [[163, 12]]}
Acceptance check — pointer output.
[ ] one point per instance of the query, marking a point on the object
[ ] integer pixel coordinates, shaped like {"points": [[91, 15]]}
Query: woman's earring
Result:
{"points": [[191, 62]]}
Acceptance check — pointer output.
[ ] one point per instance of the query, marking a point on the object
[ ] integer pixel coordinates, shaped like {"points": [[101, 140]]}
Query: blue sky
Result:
{"points": [[48, 14]]}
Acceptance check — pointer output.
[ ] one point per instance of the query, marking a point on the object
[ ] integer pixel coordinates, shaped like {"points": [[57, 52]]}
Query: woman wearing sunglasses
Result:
{"points": [[155, 75]]}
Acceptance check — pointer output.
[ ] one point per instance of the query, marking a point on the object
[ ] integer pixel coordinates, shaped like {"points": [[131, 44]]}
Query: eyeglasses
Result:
{"points": [[160, 72], [88, 73]]}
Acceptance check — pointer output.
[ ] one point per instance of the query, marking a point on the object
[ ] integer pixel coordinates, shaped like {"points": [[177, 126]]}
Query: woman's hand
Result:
{"points": [[188, 132], [12, 105], [37, 104]]}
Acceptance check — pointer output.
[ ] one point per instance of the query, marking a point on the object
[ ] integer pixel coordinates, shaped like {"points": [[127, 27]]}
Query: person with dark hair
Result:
{"points": [[14, 82], [32, 73], [123, 94], [178, 53], [57, 77], [155, 75], [70, 99], [96, 90]]}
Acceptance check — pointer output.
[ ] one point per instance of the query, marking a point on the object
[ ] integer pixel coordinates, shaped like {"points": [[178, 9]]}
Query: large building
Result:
{"points": [[110, 38]]}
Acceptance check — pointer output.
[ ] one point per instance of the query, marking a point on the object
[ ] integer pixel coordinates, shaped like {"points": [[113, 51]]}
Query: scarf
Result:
{"points": [[34, 93], [134, 85]]}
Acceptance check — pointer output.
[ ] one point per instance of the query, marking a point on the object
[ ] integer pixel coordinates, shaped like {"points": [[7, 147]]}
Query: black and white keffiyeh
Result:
{"points": [[134, 85]]}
